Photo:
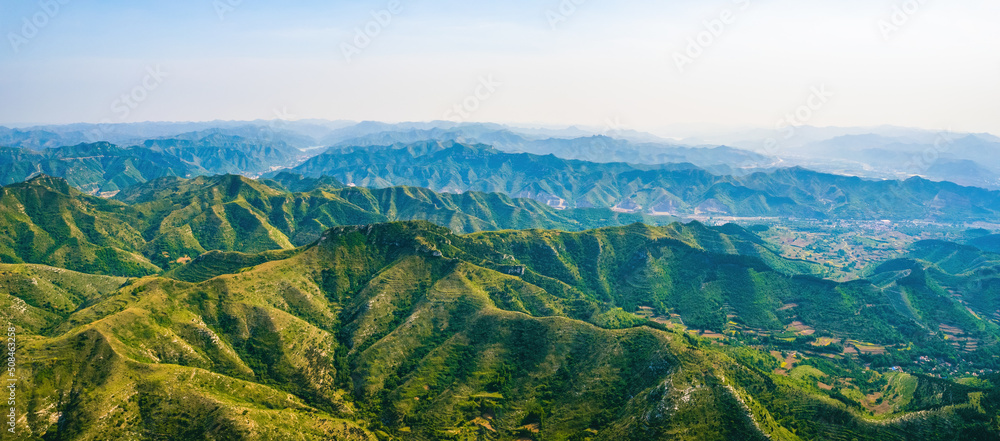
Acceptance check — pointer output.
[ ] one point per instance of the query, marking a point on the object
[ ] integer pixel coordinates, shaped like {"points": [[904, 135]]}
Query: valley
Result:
{"points": [[344, 296], [373, 322], [568, 220]]}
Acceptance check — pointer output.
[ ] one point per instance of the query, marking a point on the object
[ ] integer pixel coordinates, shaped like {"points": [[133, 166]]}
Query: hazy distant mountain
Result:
{"points": [[105, 168], [875, 152], [93, 168], [964, 172], [295, 133], [791, 138], [473, 130], [884, 152], [570, 143], [963, 159], [674, 189], [607, 149], [36, 139], [368, 128], [595, 148], [221, 153]]}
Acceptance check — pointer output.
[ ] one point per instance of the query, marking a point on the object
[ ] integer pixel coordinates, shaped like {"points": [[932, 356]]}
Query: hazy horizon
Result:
{"points": [[706, 134]]}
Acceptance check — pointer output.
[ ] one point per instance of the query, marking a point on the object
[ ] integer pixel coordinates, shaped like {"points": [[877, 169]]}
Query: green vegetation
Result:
{"points": [[409, 331], [105, 169], [163, 224], [951, 292], [46, 221], [676, 189], [98, 168]]}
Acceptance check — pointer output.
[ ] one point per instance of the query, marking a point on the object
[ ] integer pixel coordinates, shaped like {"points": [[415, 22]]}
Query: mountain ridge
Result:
{"points": [[156, 225], [387, 331], [670, 189]]}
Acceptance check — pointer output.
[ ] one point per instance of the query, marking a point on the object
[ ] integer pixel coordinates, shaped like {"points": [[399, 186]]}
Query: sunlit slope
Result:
{"points": [[408, 331], [48, 222], [161, 225]]}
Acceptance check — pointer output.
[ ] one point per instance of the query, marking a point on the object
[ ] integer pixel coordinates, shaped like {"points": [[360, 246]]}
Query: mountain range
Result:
{"points": [[408, 331], [595, 148], [152, 227], [316, 280], [869, 152], [674, 189]]}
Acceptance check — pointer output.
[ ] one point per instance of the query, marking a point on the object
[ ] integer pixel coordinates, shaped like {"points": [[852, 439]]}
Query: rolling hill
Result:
{"points": [[451, 291], [47, 221], [408, 331], [156, 226], [950, 289]]}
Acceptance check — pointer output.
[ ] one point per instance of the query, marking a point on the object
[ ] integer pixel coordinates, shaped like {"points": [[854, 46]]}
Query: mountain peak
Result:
{"points": [[91, 147], [52, 183], [295, 182], [419, 236]]}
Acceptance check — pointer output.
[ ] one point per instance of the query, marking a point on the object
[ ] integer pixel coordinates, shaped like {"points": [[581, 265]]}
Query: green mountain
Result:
{"points": [[408, 331], [950, 290], [39, 298], [34, 139], [594, 148], [296, 183], [451, 167], [47, 221], [990, 243], [161, 224], [674, 189], [104, 168], [727, 281], [230, 213], [220, 153], [93, 168]]}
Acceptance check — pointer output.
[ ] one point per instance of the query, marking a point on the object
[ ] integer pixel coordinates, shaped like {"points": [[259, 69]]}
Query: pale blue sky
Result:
{"points": [[606, 61]]}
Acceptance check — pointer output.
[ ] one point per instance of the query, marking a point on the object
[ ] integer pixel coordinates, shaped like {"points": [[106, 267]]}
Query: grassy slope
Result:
{"points": [[950, 286], [169, 220], [404, 330], [46, 221]]}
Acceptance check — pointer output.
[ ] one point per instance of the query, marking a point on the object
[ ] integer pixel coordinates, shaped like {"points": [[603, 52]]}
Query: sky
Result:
{"points": [[648, 65]]}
